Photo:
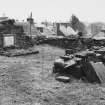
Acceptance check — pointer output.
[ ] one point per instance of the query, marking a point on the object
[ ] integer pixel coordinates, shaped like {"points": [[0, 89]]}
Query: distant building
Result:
{"points": [[64, 29], [40, 27], [47, 31], [29, 27]]}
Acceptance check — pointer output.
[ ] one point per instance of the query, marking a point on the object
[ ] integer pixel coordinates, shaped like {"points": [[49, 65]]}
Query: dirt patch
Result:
{"points": [[29, 81]]}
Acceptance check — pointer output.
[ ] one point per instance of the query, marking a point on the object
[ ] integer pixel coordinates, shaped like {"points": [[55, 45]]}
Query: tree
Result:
{"points": [[77, 25]]}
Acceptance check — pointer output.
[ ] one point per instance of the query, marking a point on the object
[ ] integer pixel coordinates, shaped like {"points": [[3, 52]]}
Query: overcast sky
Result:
{"points": [[54, 10]]}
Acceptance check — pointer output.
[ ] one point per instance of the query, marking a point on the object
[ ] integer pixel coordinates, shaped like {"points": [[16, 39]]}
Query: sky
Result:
{"points": [[54, 10]]}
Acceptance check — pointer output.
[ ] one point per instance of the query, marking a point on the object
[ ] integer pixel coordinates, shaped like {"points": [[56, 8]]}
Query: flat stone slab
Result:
{"points": [[18, 53], [63, 78]]}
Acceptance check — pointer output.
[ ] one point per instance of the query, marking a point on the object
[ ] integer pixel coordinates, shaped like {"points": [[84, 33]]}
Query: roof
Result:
{"points": [[3, 19], [67, 30], [39, 25], [99, 36]]}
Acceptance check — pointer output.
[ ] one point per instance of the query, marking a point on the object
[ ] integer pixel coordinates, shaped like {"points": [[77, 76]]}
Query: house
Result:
{"points": [[27, 30], [47, 31], [64, 29], [29, 27], [9, 32], [12, 34], [40, 27]]}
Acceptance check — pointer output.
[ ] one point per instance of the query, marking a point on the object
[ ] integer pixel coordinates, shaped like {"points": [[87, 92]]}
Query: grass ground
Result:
{"points": [[28, 80]]}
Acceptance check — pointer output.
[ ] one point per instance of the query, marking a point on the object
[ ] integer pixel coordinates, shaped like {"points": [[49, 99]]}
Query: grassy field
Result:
{"points": [[28, 80]]}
